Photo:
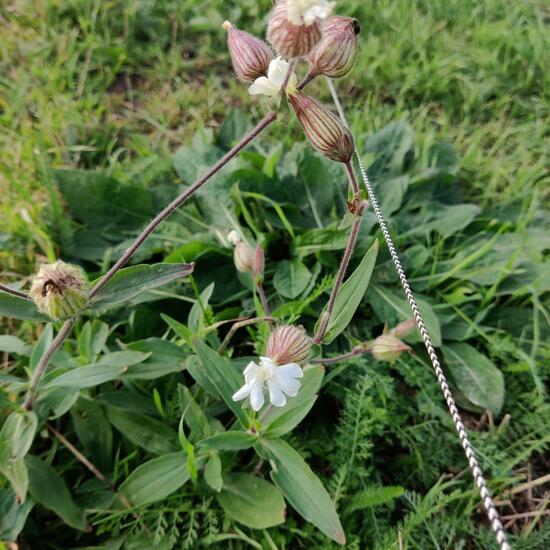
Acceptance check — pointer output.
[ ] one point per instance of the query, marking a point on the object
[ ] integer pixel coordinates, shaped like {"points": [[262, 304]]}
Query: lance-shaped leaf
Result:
{"points": [[19, 308], [301, 487], [132, 281], [223, 376], [350, 295], [48, 488], [252, 501], [156, 479]]}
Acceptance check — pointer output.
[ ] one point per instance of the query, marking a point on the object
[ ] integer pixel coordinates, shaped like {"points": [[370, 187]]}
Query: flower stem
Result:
{"points": [[178, 201], [263, 299], [359, 350], [13, 292], [354, 233], [44, 360]]}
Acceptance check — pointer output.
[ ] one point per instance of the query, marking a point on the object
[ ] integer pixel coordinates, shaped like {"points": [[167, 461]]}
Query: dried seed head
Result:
{"points": [[288, 344], [388, 348], [289, 39], [247, 259], [59, 290], [250, 55], [335, 54], [323, 129]]}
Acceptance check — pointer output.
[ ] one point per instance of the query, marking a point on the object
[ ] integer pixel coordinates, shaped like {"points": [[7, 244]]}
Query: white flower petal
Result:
{"points": [[291, 370], [276, 396], [278, 68], [242, 393], [251, 372], [263, 86], [289, 385], [257, 397]]}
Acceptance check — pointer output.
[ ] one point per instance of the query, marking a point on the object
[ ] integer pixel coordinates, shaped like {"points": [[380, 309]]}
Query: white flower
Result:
{"points": [[304, 12], [233, 237], [280, 380], [276, 75]]}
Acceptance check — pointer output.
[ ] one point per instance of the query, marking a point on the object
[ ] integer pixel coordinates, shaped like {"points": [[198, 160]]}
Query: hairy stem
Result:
{"points": [[359, 350], [13, 292], [44, 360], [263, 299], [178, 201], [240, 324], [354, 233]]}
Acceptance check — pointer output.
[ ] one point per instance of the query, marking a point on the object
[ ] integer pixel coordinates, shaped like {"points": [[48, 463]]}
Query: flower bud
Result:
{"points": [[388, 348], [287, 35], [250, 55], [404, 328], [247, 259], [59, 290], [325, 131], [335, 54], [288, 344]]}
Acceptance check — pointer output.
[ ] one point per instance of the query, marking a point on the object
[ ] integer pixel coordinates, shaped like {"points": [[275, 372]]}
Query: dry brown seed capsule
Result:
{"points": [[288, 344], [250, 55], [59, 290], [288, 39], [335, 54], [323, 129]]}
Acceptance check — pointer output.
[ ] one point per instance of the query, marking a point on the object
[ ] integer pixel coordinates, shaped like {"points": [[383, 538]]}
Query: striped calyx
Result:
{"points": [[290, 40], [335, 54], [288, 344], [59, 290], [250, 55], [323, 129]]}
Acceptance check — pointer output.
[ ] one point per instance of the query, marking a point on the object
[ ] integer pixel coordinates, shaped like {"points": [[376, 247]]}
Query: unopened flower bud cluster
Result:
{"points": [[300, 30]]}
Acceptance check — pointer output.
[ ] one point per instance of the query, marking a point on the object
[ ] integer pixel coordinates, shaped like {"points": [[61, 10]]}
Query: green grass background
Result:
{"points": [[118, 85]]}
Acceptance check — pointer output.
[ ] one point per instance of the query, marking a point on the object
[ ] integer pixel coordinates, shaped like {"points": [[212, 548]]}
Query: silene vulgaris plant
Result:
{"points": [[257, 401]]}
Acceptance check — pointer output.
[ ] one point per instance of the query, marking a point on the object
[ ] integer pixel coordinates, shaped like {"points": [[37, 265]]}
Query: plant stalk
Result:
{"points": [[178, 201], [43, 363], [354, 233], [13, 292]]}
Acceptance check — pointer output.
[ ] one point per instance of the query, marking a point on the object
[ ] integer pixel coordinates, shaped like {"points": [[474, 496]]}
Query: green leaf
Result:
{"points": [[302, 488], [392, 145], [475, 376], [223, 376], [156, 479], [213, 472], [350, 295], [88, 377], [403, 311], [229, 441], [194, 416], [19, 430], [13, 514], [132, 281], [12, 344], [290, 419], [16, 307], [374, 496], [94, 432], [311, 382], [14, 471], [148, 433], [291, 278], [252, 501], [48, 489]]}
